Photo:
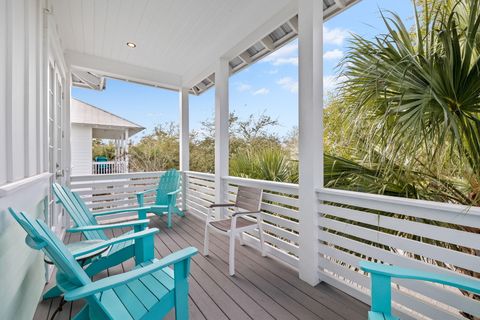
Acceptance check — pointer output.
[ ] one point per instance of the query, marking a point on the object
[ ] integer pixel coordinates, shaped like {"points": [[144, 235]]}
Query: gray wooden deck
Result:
{"points": [[261, 289]]}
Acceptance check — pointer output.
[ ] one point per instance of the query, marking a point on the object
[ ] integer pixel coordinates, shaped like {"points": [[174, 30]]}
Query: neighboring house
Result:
{"points": [[90, 122]]}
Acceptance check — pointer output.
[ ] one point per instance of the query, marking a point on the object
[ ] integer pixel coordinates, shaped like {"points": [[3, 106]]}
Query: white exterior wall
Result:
{"points": [[24, 177], [81, 144]]}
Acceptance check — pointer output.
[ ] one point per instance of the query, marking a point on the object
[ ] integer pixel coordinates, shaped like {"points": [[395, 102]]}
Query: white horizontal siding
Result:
{"points": [[3, 81], [23, 148], [81, 144]]}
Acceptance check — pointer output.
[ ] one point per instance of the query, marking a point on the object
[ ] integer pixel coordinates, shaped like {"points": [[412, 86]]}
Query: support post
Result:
{"points": [[125, 152], [184, 143], [222, 73], [310, 43]]}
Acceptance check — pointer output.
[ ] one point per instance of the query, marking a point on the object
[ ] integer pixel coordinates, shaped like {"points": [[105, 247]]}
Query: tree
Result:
{"points": [[419, 94], [414, 108], [99, 148], [157, 151]]}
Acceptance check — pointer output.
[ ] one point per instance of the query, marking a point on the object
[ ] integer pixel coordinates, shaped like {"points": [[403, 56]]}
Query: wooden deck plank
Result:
{"points": [[203, 302], [247, 304], [261, 289], [265, 283], [214, 290], [272, 307], [281, 275]]}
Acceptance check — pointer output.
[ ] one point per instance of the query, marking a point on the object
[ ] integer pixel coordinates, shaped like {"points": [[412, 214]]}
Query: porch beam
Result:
{"points": [[310, 47], [123, 71], [184, 141], [222, 72]]}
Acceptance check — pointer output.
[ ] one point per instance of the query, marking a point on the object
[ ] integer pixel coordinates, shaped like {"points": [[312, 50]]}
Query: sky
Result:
{"points": [[269, 86]]}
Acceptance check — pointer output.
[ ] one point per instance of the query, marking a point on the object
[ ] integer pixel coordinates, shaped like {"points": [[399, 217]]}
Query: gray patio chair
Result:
{"points": [[247, 203]]}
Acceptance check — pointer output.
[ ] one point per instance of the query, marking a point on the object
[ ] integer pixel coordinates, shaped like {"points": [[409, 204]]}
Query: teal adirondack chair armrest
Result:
{"points": [[141, 210], [176, 258], [141, 223], [382, 274], [171, 194], [147, 191], [141, 196], [123, 238]]}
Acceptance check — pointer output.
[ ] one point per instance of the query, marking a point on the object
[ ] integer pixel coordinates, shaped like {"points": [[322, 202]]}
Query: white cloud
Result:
{"points": [[334, 36], [330, 83], [242, 87], [289, 84], [281, 61], [333, 54], [287, 54], [261, 91]]}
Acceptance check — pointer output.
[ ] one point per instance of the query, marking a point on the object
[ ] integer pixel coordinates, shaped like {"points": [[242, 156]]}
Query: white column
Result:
{"points": [[310, 47], [184, 142], [222, 72], [125, 151], [68, 129], [116, 149]]}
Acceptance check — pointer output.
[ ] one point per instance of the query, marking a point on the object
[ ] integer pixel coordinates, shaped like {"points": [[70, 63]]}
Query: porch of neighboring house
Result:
{"points": [[89, 122]]}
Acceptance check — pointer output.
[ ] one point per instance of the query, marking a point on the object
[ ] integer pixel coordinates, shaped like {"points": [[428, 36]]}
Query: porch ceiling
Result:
{"points": [[178, 42]]}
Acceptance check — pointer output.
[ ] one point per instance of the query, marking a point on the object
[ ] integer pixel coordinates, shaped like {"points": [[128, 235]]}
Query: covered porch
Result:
{"points": [[349, 231], [89, 123]]}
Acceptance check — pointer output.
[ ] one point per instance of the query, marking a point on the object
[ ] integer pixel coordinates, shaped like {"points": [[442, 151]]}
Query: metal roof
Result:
{"points": [[86, 79], [92, 116], [273, 41]]}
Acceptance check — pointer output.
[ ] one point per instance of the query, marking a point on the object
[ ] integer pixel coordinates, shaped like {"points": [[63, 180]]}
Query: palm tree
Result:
{"points": [[414, 101], [420, 92]]}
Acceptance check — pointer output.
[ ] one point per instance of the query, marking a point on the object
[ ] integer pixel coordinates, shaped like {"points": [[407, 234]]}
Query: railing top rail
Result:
{"points": [[269, 185], [204, 175], [335, 195], [91, 177], [109, 162]]}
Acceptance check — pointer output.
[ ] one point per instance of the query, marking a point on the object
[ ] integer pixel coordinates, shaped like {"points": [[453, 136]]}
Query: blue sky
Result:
{"points": [[268, 86]]}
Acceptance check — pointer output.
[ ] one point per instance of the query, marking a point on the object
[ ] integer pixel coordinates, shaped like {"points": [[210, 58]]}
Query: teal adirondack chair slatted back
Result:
{"points": [[78, 211], [40, 237], [169, 182]]}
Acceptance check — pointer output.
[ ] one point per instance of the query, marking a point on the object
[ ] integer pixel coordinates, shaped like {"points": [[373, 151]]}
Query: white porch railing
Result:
{"points": [[112, 191], [279, 208], [109, 167], [353, 226], [410, 233]]}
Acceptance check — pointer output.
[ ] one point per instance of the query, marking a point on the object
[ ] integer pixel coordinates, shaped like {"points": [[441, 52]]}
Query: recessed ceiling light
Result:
{"points": [[131, 45]]}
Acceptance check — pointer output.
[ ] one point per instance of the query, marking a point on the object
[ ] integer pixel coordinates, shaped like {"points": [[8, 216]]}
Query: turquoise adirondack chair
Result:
{"points": [[86, 223], [382, 274], [148, 292], [166, 196]]}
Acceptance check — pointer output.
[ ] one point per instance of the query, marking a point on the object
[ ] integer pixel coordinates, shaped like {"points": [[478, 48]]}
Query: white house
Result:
{"points": [[90, 122]]}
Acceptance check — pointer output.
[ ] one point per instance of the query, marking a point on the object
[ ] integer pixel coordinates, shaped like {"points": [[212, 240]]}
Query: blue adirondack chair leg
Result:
{"points": [[120, 296], [52, 293], [144, 248], [165, 196], [381, 294]]}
